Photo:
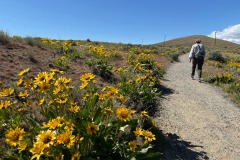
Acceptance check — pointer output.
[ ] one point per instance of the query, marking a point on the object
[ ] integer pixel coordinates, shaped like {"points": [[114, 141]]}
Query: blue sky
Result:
{"points": [[125, 21]]}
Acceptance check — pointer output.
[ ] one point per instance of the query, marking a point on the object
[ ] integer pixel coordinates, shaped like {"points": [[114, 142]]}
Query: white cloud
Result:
{"points": [[231, 34]]}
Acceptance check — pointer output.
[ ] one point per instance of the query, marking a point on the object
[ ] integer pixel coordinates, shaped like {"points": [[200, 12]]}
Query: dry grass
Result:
{"points": [[4, 38]]}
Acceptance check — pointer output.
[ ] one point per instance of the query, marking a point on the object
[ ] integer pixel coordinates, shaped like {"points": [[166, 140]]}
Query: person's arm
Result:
{"points": [[190, 54]]}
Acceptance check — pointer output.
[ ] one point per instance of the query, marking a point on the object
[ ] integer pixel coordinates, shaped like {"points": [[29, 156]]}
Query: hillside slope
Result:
{"points": [[189, 40]]}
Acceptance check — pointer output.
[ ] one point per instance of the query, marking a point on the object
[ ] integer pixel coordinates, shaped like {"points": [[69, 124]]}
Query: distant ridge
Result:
{"points": [[207, 41]]}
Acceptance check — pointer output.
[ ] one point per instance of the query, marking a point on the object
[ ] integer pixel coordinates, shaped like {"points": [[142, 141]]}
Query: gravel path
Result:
{"points": [[198, 119]]}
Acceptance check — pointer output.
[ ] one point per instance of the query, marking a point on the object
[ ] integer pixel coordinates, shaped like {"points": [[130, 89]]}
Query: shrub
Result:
{"points": [[224, 78], [4, 38], [17, 39], [215, 55], [62, 63], [102, 68], [33, 41], [174, 57]]}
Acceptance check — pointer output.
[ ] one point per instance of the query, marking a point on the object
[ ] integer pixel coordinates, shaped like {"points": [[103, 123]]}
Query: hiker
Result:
{"points": [[197, 55]]}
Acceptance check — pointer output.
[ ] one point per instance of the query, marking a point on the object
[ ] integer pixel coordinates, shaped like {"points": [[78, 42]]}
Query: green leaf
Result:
{"points": [[85, 112], [97, 117], [50, 114]]}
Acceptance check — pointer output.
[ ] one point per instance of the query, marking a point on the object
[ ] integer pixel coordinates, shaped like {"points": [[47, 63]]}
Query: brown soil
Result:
{"points": [[16, 57]]}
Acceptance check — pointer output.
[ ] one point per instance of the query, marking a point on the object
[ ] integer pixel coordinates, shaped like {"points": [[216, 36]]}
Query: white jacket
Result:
{"points": [[196, 51]]}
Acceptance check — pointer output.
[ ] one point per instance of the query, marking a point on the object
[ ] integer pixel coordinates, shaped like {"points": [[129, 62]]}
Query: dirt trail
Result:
{"points": [[199, 119]]}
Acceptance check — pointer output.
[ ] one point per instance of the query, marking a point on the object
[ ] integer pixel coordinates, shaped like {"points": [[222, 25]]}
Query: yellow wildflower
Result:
{"points": [[84, 85], [44, 86], [123, 114], [22, 146], [1, 104], [28, 82], [138, 132], [7, 104], [133, 145], [62, 81], [7, 92], [144, 114], [92, 128], [122, 99], [56, 71], [46, 137], [56, 90], [76, 156], [41, 77], [14, 136], [79, 139], [62, 99], [66, 138], [23, 72], [63, 58], [107, 111], [58, 122], [129, 82], [60, 157], [41, 102], [19, 82], [69, 126], [87, 77], [154, 124], [148, 135], [23, 94], [74, 109], [37, 150]]}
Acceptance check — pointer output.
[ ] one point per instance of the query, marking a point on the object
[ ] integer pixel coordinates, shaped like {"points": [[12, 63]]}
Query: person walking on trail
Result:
{"points": [[197, 55]]}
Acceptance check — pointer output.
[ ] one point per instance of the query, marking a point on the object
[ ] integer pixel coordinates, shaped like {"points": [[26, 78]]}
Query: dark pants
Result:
{"points": [[199, 63]]}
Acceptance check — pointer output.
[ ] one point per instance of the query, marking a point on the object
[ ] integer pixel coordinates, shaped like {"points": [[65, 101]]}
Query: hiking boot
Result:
{"points": [[199, 80], [192, 77]]}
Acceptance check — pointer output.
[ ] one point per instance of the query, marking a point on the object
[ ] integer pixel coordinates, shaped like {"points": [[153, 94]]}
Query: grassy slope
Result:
{"points": [[189, 40]]}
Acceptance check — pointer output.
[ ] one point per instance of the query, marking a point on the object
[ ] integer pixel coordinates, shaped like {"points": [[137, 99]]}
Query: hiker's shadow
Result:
{"points": [[176, 148], [165, 90]]}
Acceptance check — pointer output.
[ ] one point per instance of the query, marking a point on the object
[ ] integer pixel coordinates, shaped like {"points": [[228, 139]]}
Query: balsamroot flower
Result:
{"points": [[92, 128], [14, 136], [107, 111], [46, 137], [66, 138], [123, 114], [132, 145], [148, 135], [87, 77], [37, 150], [23, 72], [7, 92]]}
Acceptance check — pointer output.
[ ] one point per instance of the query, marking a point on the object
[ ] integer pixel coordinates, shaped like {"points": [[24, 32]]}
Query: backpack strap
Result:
{"points": [[200, 51], [199, 47]]}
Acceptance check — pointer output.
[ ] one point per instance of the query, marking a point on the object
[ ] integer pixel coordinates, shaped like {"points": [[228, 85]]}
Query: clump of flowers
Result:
{"points": [[47, 121]]}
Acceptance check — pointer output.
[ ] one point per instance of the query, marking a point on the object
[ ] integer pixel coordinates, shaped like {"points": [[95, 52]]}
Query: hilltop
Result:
{"points": [[208, 41]]}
